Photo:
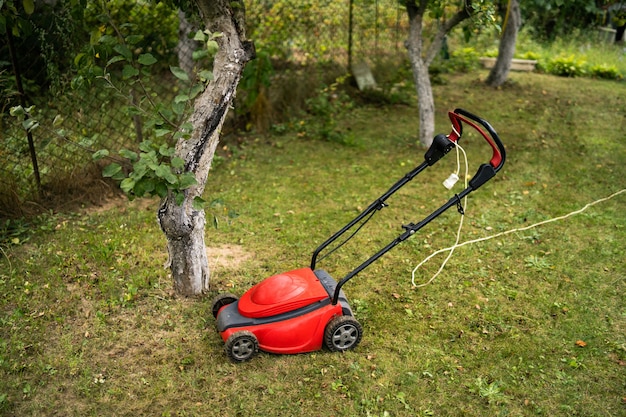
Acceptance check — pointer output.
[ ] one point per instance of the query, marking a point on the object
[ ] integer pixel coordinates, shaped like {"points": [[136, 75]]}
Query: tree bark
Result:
{"points": [[183, 224], [420, 61], [506, 50]]}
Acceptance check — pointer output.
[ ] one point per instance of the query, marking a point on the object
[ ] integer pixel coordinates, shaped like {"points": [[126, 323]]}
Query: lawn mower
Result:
{"points": [[305, 309]]}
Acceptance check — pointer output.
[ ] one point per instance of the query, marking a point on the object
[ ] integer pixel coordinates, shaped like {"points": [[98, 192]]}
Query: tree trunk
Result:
{"points": [[183, 224], [420, 61], [425, 99], [506, 50]]}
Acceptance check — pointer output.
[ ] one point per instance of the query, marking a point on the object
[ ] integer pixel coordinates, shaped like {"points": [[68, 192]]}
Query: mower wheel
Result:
{"points": [[342, 333], [242, 345], [220, 301]]}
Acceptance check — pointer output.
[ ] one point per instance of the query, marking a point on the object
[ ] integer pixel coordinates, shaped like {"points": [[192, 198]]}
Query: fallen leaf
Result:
{"points": [[395, 295], [580, 343]]}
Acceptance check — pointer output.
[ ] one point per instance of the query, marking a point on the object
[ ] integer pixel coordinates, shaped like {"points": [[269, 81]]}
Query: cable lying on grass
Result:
{"points": [[520, 229]]}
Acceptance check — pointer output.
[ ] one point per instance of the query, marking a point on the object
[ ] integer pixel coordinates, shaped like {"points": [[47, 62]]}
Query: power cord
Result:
{"points": [[448, 183], [521, 229]]}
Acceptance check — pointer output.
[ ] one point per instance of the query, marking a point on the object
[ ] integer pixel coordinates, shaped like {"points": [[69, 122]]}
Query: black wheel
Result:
{"points": [[342, 333], [242, 345], [220, 301]]}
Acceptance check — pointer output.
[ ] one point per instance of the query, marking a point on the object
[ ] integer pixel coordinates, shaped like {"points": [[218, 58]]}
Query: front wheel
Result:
{"points": [[242, 346], [343, 333]]}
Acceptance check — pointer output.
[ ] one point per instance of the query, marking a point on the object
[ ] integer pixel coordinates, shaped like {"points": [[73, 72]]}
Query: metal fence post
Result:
{"points": [[20, 90]]}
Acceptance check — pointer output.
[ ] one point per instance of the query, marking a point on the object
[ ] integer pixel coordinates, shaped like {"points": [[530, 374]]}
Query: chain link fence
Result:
{"points": [[47, 151]]}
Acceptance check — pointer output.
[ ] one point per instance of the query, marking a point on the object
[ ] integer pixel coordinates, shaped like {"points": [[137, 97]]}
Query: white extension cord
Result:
{"points": [[449, 183], [521, 229]]}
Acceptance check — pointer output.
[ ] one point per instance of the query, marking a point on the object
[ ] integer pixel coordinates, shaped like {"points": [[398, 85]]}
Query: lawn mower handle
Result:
{"points": [[460, 115], [441, 145]]}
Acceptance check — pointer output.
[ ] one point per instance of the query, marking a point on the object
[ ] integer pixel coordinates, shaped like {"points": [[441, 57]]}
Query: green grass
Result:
{"points": [[532, 323]]}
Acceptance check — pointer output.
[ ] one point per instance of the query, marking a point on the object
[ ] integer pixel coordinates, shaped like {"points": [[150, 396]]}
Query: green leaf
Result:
{"points": [[160, 188], [187, 127], [129, 72], [199, 54], [212, 47], [181, 98], [134, 39], [124, 51], [180, 197], [130, 155], [29, 6], [30, 124], [199, 36], [195, 90], [205, 75], [146, 59], [177, 162], [98, 155], [186, 180], [127, 185], [166, 150], [165, 172], [161, 132], [144, 186], [57, 121], [111, 169], [77, 82], [179, 73], [145, 146], [198, 203], [107, 40], [79, 58], [116, 58], [139, 170], [179, 108], [17, 111]]}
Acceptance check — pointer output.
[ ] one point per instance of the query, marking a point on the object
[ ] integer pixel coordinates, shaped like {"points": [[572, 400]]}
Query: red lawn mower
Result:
{"points": [[302, 310]]}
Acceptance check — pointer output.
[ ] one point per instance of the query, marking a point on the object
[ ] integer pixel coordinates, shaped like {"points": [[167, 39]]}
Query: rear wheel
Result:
{"points": [[343, 333], [242, 346], [220, 301]]}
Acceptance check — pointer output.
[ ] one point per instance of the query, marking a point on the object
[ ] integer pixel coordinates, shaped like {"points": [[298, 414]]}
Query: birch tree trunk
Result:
{"points": [[421, 59], [183, 224], [506, 50]]}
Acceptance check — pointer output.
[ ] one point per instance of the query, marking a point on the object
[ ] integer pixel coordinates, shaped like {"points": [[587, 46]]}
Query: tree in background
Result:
{"points": [[506, 50], [448, 15]]}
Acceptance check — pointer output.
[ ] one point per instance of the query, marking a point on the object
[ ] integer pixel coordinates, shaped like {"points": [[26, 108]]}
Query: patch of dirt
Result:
{"points": [[227, 256]]}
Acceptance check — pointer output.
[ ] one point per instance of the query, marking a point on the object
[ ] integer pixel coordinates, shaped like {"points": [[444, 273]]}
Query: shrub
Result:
{"points": [[566, 66], [609, 72], [464, 59]]}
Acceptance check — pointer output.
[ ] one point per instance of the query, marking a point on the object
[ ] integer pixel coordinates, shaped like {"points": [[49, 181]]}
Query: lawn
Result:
{"points": [[529, 323]]}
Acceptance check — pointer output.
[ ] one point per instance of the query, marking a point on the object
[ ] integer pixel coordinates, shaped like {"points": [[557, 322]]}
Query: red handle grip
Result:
{"points": [[460, 116]]}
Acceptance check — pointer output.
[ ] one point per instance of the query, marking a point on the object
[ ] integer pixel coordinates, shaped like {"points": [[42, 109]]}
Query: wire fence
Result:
{"points": [[67, 126]]}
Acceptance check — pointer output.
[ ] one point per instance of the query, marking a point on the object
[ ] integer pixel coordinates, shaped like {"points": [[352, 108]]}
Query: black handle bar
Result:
{"points": [[442, 144]]}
